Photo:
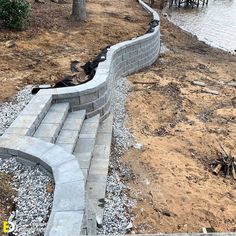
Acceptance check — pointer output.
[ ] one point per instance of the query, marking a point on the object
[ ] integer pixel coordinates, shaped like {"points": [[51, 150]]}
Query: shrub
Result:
{"points": [[14, 13]]}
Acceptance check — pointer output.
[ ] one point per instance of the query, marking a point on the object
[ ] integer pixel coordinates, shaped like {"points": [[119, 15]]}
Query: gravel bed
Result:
{"points": [[9, 110], [117, 219], [34, 197], [34, 188]]}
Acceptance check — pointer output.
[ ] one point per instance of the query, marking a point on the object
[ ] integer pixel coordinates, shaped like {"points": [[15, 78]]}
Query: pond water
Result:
{"points": [[215, 23]]}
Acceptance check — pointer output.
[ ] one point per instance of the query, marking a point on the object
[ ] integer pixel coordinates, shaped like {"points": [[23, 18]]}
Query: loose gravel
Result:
{"points": [[117, 219], [33, 201], [9, 110], [34, 187]]}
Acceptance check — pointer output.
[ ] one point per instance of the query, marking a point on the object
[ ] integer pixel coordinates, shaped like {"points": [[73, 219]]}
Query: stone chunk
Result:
{"points": [[199, 83]]}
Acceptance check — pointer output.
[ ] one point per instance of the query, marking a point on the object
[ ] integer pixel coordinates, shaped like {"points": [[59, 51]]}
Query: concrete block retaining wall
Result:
{"points": [[122, 59]]}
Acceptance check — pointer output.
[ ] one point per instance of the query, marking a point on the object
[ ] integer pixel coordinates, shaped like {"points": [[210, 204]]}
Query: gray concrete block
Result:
{"points": [[77, 115], [49, 139], [85, 173], [26, 162], [12, 136], [102, 90], [99, 102], [72, 124], [25, 121], [84, 159], [104, 138], [49, 131], [101, 151], [67, 136], [69, 197], [84, 145], [59, 107], [87, 98], [14, 130], [32, 147], [94, 113], [100, 170], [56, 156], [68, 172], [89, 127], [56, 114], [54, 117], [88, 107], [74, 120], [91, 136], [100, 164], [67, 147], [99, 179], [64, 223], [95, 191], [5, 155], [98, 211]]}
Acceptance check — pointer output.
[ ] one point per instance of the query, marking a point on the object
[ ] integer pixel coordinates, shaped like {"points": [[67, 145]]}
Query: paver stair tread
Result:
{"points": [[70, 130], [86, 141], [51, 124], [97, 177]]}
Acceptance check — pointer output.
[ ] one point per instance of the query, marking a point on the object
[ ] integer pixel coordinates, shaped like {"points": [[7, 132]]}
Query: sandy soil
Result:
{"points": [[44, 51], [181, 126]]}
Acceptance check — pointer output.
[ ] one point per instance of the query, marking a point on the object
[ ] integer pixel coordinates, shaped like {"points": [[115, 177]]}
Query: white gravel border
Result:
{"points": [[10, 110], [33, 201], [117, 219]]}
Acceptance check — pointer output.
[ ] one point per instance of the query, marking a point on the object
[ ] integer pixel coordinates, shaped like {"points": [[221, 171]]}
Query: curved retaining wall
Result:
{"points": [[122, 59]]}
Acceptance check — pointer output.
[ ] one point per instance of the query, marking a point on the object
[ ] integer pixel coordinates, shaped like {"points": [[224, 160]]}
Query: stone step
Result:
{"points": [[85, 145], [51, 124], [97, 177], [71, 128]]}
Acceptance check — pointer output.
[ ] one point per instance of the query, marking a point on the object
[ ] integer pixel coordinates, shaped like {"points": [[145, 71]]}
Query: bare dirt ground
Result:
{"points": [[181, 127], [6, 200], [44, 51]]}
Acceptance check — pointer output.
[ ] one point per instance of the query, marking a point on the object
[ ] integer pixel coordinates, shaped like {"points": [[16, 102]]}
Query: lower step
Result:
{"points": [[97, 177], [85, 145], [51, 124], [69, 133]]}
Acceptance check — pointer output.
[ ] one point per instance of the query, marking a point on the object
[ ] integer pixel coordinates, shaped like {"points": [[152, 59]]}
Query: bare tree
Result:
{"points": [[79, 10]]}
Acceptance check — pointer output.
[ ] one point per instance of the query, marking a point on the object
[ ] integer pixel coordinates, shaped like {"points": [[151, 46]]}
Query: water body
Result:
{"points": [[215, 23]]}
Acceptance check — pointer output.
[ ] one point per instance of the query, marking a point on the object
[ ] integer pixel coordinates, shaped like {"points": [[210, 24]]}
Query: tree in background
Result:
{"points": [[78, 10]]}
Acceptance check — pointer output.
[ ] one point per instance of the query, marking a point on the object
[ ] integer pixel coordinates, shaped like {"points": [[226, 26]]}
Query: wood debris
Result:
{"points": [[225, 164]]}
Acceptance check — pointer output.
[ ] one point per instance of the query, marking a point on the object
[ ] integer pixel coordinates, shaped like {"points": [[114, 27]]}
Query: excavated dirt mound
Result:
{"points": [[44, 51], [181, 127]]}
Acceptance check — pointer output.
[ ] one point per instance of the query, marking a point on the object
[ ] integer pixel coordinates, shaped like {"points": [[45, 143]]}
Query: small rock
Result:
{"points": [[41, 54], [165, 14], [234, 102], [168, 213], [10, 43], [129, 226], [211, 92], [40, 1], [232, 84], [138, 146], [198, 83]]}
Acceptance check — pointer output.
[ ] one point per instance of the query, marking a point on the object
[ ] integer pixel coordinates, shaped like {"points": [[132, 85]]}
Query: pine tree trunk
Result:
{"points": [[79, 10]]}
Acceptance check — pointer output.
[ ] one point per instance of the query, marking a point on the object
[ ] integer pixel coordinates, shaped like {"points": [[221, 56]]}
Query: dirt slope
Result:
{"points": [[44, 51], [181, 126]]}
